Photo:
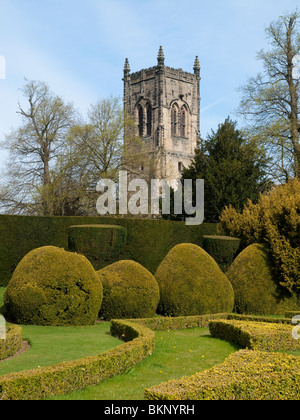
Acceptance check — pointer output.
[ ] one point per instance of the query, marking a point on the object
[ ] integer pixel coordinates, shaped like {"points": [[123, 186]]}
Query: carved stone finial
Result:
{"points": [[161, 57], [197, 66], [126, 66]]}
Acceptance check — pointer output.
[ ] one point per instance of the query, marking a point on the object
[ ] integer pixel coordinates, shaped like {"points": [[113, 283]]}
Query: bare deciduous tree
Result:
{"points": [[271, 99], [33, 149]]}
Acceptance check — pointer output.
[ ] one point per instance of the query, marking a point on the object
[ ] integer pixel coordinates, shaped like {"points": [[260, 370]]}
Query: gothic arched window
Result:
{"points": [[149, 119], [183, 122], [141, 120], [174, 120]]}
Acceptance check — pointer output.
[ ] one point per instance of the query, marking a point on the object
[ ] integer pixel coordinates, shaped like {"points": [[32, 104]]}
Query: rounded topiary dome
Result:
{"points": [[51, 286], [129, 291], [255, 287], [191, 283]]}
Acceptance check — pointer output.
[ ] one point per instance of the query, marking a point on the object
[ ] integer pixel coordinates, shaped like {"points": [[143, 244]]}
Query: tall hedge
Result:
{"points": [[148, 241], [100, 244]]}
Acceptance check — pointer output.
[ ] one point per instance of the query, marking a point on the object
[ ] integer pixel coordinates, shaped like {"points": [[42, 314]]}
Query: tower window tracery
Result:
{"points": [[141, 120], [183, 122], [174, 119], [149, 119]]}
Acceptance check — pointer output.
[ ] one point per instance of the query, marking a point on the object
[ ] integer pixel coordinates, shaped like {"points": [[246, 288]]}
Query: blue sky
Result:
{"points": [[79, 47]]}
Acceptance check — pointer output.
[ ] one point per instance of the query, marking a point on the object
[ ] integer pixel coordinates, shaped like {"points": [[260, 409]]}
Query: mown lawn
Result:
{"points": [[178, 353], [51, 345]]}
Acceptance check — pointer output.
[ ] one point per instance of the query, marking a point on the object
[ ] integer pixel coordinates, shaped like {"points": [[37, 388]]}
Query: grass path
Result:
{"points": [[178, 353]]}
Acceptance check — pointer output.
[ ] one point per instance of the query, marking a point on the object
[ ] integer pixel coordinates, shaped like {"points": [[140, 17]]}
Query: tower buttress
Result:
{"points": [[160, 80], [197, 69]]}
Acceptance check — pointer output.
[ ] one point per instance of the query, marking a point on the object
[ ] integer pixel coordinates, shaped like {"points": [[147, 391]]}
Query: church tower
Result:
{"points": [[165, 103]]}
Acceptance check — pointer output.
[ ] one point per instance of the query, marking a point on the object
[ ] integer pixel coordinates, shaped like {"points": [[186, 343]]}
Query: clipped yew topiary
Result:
{"points": [[255, 286], [51, 286], [191, 283], [129, 291], [223, 249], [274, 219]]}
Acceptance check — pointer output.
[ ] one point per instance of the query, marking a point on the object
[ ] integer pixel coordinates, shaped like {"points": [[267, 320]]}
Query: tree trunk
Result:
{"points": [[294, 98], [46, 204]]}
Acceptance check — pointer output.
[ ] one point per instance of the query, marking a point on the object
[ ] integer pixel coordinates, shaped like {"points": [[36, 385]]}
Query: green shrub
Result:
{"points": [[66, 377], [256, 318], [275, 219], [129, 291], [148, 241], [12, 342], [245, 375], [223, 249], [254, 283], [255, 335], [99, 243], [51, 286], [191, 283]]}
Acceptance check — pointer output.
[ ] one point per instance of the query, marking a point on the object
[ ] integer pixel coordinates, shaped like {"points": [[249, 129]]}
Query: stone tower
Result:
{"points": [[165, 103]]}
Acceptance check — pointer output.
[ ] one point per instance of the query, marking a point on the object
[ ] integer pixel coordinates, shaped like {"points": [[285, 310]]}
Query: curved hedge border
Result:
{"points": [[65, 377], [247, 374], [178, 323], [12, 343], [255, 335], [266, 319]]}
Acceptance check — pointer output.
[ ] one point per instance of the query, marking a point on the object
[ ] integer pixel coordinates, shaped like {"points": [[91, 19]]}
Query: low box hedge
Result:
{"points": [[258, 318], [161, 323], [245, 375], [255, 335], [12, 342], [65, 377]]}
